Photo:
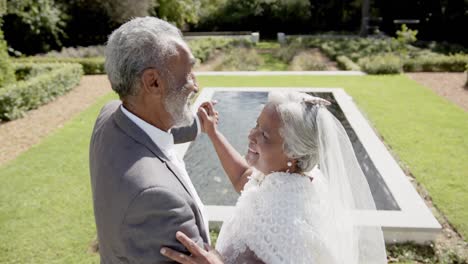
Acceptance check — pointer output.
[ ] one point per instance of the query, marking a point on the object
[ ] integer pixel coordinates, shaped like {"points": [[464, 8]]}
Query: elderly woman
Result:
{"points": [[300, 183]]}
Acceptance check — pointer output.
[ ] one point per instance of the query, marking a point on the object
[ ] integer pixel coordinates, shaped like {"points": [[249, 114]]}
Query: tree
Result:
{"points": [[6, 70], [40, 22], [267, 16], [181, 13]]}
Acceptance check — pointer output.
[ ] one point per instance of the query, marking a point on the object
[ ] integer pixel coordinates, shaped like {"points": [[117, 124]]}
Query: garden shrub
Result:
{"points": [[366, 51], [6, 70], [346, 64], [442, 47], [288, 52], [33, 26], [381, 64], [26, 71], [90, 65], [78, 52], [19, 97], [305, 61], [204, 48], [437, 63], [244, 59]]}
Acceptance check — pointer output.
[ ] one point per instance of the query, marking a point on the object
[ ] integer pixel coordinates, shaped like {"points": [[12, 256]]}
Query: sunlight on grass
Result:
{"points": [[46, 213]]}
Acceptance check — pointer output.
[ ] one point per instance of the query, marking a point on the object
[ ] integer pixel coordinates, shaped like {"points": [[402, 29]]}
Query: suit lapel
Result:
{"points": [[133, 131]]}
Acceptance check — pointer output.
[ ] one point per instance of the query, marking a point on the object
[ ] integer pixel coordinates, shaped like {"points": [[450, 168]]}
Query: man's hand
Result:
{"points": [[208, 117], [199, 255]]}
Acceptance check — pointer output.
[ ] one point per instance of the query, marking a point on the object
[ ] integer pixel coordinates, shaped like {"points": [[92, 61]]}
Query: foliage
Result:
{"points": [[306, 61], [381, 64], [26, 71], [204, 48], [369, 51], [40, 22], [352, 47], [123, 10], [90, 65], [437, 63], [52, 24], [406, 35], [78, 52], [236, 59], [19, 97], [441, 47], [346, 64], [288, 52], [440, 20], [3, 7], [181, 12], [410, 252], [6, 70], [269, 16]]}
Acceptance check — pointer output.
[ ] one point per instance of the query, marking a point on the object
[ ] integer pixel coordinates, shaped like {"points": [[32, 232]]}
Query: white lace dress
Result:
{"points": [[275, 221]]}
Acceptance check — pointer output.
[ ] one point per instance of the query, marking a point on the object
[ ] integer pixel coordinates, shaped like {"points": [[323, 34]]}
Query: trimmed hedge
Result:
{"points": [[442, 63], [381, 64], [204, 48], [365, 50], [90, 65], [26, 71], [52, 80], [347, 64]]}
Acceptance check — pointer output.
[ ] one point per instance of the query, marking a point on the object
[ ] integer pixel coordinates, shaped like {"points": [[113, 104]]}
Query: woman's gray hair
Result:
{"points": [[299, 127], [141, 43]]}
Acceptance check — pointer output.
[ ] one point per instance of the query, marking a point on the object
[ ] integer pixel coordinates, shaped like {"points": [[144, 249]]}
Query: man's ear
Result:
{"points": [[152, 82]]}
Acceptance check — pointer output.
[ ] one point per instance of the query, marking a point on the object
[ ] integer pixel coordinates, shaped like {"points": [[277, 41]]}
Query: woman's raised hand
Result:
{"points": [[209, 117]]}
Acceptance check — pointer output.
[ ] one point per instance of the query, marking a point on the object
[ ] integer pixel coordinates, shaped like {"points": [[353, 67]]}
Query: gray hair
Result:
{"points": [[299, 127], [141, 43]]}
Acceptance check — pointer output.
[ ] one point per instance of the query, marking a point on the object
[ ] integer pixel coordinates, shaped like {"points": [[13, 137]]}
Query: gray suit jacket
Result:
{"points": [[140, 201]]}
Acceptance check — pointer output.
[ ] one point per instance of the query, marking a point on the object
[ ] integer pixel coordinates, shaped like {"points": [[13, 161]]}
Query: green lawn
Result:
{"points": [[46, 213]]}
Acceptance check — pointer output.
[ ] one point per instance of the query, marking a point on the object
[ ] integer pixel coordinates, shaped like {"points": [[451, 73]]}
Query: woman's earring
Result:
{"points": [[289, 166]]}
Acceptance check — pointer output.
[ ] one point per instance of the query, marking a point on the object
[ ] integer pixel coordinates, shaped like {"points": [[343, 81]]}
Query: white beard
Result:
{"points": [[180, 118], [177, 104]]}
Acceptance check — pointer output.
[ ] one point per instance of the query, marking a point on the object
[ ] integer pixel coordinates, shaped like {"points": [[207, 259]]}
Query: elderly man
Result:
{"points": [[142, 194]]}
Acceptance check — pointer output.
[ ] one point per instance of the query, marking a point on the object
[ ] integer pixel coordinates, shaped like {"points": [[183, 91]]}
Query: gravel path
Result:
{"points": [[19, 135], [446, 84]]}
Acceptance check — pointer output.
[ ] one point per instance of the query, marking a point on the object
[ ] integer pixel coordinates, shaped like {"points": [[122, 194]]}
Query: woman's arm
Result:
{"points": [[234, 164]]}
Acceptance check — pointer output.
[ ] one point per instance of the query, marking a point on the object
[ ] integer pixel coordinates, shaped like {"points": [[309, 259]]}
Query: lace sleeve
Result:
{"points": [[285, 216], [275, 222], [248, 256]]}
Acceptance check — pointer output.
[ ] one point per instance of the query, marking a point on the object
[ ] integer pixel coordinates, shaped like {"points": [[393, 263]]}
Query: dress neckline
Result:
{"points": [[260, 178]]}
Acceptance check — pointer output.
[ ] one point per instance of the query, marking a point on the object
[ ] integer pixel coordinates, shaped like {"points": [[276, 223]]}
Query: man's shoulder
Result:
{"points": [[110, 108]]}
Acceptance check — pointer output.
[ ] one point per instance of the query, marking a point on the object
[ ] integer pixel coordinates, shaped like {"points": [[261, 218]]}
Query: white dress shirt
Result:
{"points": [[165, 142]]}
